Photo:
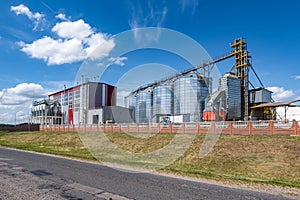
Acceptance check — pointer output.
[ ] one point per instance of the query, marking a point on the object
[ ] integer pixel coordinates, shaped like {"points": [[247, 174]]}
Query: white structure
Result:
{"points": [[46, 112], [289, 113]]}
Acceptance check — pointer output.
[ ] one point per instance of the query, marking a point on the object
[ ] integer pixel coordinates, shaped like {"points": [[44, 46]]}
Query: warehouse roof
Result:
{"points": [[276, 104]]}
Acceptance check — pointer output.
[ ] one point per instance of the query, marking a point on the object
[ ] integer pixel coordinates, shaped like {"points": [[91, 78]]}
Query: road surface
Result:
{"points": [[27, 175]]}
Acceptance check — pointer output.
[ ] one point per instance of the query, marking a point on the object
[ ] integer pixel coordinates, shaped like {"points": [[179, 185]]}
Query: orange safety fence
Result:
{"points": [[222, 127]]}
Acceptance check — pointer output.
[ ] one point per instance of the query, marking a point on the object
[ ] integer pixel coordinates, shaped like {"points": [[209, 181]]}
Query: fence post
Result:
{"points": [[295, 124], [158, 127], [250, 127], [271, 124]]}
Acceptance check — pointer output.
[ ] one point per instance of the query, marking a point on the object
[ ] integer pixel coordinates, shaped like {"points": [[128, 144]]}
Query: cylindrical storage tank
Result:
{"points": [[231, 84], [190, 92], [130, 102], [162, 100], [144, 106]]}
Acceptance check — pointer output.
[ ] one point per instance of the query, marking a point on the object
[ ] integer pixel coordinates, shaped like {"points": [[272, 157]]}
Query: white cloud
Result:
{"points": [[7, 118], [21, 116], [281, 94], [152, 17], [62, 17], [118, 61], [77, 29], [77, 41], [121, 97], [98, 46], [14, 117], [186, 4], [55, 52], [21, 9], [21, 96], [37, 18], [297, 77], [16, 102]]}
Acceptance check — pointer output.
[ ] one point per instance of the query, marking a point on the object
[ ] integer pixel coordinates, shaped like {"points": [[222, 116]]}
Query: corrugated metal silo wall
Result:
{"points": [[143, 112], [232, 87], [130, 103], [189, 96], [162, 100]]}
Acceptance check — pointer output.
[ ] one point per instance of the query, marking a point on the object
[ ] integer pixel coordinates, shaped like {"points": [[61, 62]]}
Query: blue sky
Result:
{"points": [[44, 43]]}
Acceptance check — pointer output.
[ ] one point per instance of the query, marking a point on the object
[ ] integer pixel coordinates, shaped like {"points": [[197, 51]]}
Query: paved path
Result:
{"points": [[26, 175]]}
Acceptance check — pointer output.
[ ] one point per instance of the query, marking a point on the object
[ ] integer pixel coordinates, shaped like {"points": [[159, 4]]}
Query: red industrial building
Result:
{"points": [[87, 103], [84, 103]]}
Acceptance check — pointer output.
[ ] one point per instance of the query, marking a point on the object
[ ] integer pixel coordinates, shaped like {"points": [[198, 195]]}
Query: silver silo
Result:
{"points": [[231, 84], [130, 102], [143, 112], [162, 100], [190, 92]]}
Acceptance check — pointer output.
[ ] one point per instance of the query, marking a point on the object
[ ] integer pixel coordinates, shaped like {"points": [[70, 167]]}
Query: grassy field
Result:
{"points": [[259, 159], [58, 143]]}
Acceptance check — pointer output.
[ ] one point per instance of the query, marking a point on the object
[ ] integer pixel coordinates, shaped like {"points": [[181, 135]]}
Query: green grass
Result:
{"points": [[58, 143], [253, 159], [259, 159]]}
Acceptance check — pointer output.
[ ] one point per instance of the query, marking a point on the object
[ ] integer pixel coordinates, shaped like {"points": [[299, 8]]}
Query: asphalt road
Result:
{"points": [[26, 175]]}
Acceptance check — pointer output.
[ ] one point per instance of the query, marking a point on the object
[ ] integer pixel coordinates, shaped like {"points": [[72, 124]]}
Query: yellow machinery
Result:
{"points": [[242, 65]]}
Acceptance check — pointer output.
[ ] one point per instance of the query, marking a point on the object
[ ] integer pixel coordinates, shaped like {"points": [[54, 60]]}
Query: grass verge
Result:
{"points": [[253, 159], [58, 143]]}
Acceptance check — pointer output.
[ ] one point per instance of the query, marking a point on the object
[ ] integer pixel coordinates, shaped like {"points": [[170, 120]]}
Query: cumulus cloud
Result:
{"points": [[297, 77], [14, 117], [21, 96], [77, 29], [15, 102], [281, 94], [55, 52], [98, 46], [37, 18], [77, 41], [62, 17]]}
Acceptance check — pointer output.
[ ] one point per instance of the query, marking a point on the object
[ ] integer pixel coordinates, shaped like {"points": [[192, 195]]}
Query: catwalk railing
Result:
{"points": [[223, 127]]}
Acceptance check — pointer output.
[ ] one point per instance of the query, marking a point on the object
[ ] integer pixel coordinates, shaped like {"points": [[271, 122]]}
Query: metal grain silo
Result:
{"points": [[190, 92], [143, 112], [231, 84], [130, 102], [162, 100]]}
